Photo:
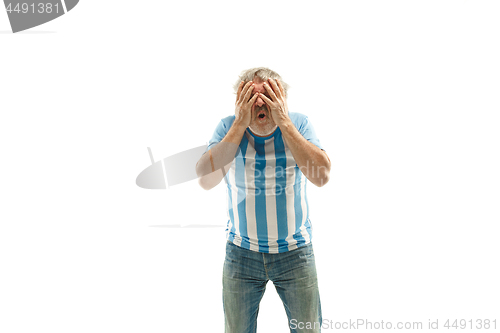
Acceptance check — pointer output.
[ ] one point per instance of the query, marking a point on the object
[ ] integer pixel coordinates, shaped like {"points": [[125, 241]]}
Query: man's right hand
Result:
{"points": [[243, 111], [224, 152]]}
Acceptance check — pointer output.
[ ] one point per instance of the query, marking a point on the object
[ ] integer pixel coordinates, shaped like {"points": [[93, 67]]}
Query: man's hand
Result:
{"points": [[243, 111], [312, 161], [277, 104]]}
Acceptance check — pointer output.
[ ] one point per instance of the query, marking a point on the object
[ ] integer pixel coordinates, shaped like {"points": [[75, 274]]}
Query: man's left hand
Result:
{"points": [[277, 104]]}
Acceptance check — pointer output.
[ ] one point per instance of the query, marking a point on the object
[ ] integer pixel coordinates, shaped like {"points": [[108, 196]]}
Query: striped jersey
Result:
{"points": [[266, 191]]}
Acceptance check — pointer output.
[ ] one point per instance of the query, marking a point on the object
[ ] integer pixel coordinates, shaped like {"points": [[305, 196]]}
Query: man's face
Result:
{"points": [[261, 124]]}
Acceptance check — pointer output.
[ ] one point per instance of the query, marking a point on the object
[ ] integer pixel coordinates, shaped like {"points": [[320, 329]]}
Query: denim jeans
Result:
{"points": [[293, 273]]}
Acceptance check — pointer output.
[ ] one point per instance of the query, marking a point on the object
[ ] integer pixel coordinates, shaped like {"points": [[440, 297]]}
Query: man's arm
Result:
{"points": [[211, 169], [215, 163], [312, 161]]}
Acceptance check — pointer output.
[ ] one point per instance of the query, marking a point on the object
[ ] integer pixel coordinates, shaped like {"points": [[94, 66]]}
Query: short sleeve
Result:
{"points": [[219, 134], [307, 130]]}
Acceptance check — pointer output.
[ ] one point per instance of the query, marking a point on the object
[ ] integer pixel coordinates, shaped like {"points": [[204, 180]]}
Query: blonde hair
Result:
{"points": [[262, 73]]}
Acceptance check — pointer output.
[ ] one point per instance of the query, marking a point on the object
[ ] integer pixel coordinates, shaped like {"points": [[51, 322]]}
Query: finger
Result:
{"points": [[281, 88], [248, 94], [244, 91], [266, 100], [271, 92], [240, 87], [247, 87], [275, 87], [252, 100]]}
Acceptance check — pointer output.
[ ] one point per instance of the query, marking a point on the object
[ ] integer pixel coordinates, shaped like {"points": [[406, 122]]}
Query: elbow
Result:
{"points": [[323, 175], [208, 181], [322, 180], [198, 170], [201, 177], [203, 184]]}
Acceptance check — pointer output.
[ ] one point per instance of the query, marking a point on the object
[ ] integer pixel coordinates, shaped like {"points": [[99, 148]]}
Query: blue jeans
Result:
{"points": [[293, 274]]}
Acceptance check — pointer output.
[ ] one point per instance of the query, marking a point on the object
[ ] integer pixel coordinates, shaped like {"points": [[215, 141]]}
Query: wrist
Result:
{"points": [[239, 125], [235, 133], [285, 123]]}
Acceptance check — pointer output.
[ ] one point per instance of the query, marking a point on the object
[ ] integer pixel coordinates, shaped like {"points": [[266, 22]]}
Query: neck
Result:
{"points": [[263, 133]]}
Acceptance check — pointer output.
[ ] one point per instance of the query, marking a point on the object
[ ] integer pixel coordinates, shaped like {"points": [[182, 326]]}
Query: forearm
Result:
{"points": [[211, 169], [312, 161]]}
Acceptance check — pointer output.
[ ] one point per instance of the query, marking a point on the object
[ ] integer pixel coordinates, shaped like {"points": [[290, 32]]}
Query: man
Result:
{"points": [[266, 156]]}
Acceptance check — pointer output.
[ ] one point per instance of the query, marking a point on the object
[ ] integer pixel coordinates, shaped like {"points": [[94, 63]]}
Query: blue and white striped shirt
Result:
{"points": [[266, 191]]}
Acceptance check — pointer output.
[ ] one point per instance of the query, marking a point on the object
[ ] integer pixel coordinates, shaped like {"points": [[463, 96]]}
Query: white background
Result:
{"points": [[404, 96]]}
